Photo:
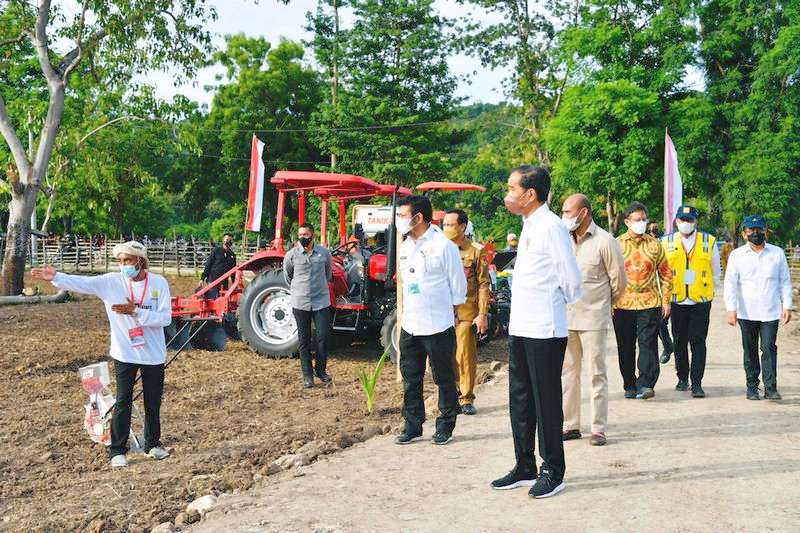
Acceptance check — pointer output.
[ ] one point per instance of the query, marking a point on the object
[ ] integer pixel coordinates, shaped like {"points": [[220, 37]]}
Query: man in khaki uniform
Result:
{"points": [[473, 312], [602, 266]]}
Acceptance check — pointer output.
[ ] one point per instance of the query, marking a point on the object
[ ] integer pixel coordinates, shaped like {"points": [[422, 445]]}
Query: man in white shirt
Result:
{"points": [[546, 279], [433, 284], [758, 293], [693, 257], [138, 306]]}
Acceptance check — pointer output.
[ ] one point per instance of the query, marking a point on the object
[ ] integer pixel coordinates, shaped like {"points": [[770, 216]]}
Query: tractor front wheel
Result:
{"points": [[265, 318], [389, 337]]}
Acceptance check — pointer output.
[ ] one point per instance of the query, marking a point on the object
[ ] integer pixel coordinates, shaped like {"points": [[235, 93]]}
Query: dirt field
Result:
{"points": [[225, 416]]}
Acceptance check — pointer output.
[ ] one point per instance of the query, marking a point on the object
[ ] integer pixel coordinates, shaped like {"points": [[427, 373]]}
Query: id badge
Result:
{"points": [[136, 337], [689, 277], [413, 288]]}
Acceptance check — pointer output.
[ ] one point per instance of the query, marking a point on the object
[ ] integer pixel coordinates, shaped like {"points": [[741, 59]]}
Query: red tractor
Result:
{"points": [[362, 289]]}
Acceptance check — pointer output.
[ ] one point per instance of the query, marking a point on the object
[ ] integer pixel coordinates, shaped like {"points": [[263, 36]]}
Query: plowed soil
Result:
{"points": [[225, 416]]}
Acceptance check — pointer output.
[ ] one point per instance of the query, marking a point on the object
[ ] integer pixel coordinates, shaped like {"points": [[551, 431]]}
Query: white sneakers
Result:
{"points": [[158, 453]]}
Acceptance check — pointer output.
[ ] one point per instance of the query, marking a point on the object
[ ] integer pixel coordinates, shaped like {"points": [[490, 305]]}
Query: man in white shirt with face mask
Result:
{"points": [[694, 260], [138, 306], [546, 279], [433, 285]]}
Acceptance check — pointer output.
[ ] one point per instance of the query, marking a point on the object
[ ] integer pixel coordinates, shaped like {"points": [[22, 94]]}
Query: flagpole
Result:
{"points": [[244, 236]]}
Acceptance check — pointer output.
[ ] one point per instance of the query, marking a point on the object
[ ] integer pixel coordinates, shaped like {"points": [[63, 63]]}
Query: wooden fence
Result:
{"points": [[178, 256]]}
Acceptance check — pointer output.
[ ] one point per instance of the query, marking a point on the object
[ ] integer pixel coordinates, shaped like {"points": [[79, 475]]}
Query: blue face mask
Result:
{"points": [[129, 271]]}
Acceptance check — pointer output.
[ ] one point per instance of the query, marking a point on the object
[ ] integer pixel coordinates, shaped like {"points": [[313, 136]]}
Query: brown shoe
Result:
{"points": [[571, 434], [598, 439]]}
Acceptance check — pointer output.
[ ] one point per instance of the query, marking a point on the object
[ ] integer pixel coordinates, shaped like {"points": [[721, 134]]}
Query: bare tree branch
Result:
{"points": [[14, 40], [88, 45], [47, 139], [39, 38], [105, 125], [10, 135], [78, 45], [561, 91]]}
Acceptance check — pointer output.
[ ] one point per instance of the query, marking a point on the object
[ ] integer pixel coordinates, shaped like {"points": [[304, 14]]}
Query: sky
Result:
{"points": [[273, 20]]}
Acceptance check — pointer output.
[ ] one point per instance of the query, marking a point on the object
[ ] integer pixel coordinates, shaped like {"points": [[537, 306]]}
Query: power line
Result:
{"points": [[323, 161]]}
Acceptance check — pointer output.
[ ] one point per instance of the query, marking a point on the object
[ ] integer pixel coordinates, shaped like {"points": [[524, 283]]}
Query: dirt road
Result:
{"points": [[672, 464]]}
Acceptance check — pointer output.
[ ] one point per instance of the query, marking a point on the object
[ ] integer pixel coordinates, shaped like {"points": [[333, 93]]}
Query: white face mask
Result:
{"points": [[639, 227], [403, 225], [570, 223], [686, 228]]}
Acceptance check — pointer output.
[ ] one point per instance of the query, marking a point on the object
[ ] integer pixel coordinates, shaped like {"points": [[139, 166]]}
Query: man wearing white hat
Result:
{"points": [[511, 242], [138, 306]]}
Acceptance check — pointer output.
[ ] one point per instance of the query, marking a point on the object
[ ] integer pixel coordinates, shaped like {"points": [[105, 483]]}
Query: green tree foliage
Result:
{"points": [[750, 56], [604, 141], [393, 65], [264, 88]]}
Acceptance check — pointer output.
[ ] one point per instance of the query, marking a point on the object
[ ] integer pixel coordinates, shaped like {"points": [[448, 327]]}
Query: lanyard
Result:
{"points": [[144, 291], [689, 253]]}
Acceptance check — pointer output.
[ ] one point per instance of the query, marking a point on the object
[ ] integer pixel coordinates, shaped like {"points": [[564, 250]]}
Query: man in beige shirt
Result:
{"points": [[601, 263]]}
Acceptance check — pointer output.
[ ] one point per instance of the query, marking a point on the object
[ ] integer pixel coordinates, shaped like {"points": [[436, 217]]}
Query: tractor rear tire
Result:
{"points": [[265, 318], [389, 338]]}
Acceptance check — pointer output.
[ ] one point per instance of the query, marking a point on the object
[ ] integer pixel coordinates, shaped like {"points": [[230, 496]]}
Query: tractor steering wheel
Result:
{"points": [[343, 250]]}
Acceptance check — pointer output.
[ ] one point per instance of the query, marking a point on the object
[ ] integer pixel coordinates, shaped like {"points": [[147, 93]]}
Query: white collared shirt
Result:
{"points": [[546, 278], [716, 268], [433, 282], [758, 285]]}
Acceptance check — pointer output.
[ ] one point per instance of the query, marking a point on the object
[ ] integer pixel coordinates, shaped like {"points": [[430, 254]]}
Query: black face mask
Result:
{"points": [[304, 241], [228, 244], [757, 238]]}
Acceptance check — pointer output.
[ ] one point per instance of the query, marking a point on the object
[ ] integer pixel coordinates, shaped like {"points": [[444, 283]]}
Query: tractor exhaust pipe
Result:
{"points": [[391, 243]]}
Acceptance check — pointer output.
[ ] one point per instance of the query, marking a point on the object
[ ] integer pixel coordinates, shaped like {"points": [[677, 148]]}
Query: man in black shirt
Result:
{"points": [[221, 260]]}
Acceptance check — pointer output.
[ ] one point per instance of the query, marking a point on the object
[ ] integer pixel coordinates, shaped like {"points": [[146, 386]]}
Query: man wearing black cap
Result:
{"points": [[694, 260], [758, 293]]}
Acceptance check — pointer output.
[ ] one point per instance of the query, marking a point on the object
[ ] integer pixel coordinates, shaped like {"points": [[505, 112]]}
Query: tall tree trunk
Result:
{"points": [[17, 238], [25, 188]]}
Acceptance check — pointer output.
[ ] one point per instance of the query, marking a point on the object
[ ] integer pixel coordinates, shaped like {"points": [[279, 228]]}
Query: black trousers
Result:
{"points": [[690, 329], [153, 387], [534, 394], [755, 333], [666, 340], [631, 326], [414, 350], [321, 319]]}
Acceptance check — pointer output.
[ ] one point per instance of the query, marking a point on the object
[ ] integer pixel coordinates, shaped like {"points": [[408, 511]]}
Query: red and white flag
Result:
{"points": [[255, 195], [673, 185]]}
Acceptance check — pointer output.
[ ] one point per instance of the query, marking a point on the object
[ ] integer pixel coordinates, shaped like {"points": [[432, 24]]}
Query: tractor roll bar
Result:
{"points": [[328, 187]]}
